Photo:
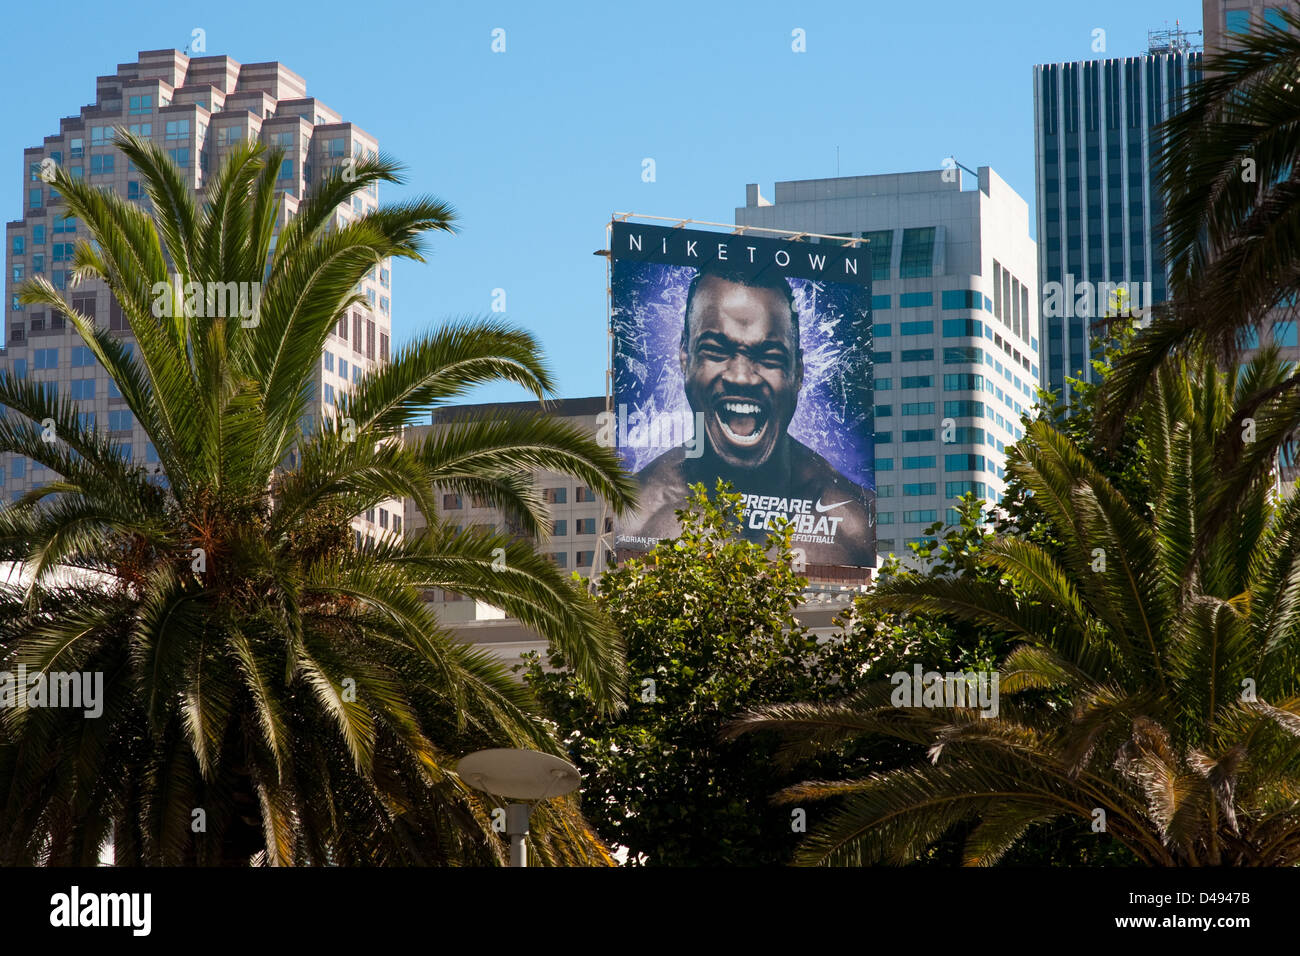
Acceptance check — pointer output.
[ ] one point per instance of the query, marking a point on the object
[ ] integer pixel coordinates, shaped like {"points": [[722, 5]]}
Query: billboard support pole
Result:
{"points": [[605, 541]]}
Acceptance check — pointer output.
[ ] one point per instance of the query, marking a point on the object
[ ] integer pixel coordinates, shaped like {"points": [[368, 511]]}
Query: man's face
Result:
{"points": [[743, 369]]}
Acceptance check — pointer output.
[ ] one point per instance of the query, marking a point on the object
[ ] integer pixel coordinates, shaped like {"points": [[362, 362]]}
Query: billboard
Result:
{"points": [[747, 359]]}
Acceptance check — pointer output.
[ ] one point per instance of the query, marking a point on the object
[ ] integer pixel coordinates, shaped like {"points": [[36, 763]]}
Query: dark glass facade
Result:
{"points": [[1099, 208]]}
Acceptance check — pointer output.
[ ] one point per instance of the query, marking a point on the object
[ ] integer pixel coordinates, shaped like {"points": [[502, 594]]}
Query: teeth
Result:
{"points": [[741, 408]]}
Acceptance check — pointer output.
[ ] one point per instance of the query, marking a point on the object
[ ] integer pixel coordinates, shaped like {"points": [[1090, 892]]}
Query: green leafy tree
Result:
{"points": [[260, 666], [709, 625], [1173, 640]]}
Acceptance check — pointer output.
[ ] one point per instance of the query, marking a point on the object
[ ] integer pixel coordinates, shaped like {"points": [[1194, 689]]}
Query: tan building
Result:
{"points": [[581, 538], [581, 525], [196, 109], [1226, 17]]}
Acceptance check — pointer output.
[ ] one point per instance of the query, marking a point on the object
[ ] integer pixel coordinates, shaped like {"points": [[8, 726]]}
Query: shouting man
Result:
{"points": [[743, 367]]}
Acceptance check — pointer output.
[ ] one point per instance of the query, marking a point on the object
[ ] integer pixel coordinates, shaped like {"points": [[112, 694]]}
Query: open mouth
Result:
{"points": [[742, 422]]}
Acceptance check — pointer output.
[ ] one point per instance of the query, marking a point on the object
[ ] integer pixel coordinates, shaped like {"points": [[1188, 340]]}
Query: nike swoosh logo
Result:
{"points": [[821, 507]]}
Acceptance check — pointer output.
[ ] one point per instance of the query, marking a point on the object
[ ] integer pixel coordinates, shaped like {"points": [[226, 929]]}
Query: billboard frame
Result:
{"points": [[605, 541]]}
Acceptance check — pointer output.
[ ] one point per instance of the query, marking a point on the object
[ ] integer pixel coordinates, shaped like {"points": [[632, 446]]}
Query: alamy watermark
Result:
{"points": [[75, 689], [663, 431], [195, 300], [1087, 300], [975, 689]]}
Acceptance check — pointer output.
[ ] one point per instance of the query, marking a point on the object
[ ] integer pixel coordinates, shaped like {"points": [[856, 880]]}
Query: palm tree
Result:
{"points": [[273, 691], [1179, 659], [1229, 167]]}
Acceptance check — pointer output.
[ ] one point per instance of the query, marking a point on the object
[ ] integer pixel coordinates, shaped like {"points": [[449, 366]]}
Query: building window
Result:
{"points": [[585, 559], [963, 463], [884, 411], [370, 339], [560, 528], [140, 104], [963, 354], [585, 526], [178, 129], [181, 157], [961, 299], [329, 361], [120, 420], [956, 328], [915, 300], [383, 518], [35, 198], [919, 489], [918, 253], [383, 345], [45, 359], [916, 328], [885, 517], [918, 381], [881, 244], [917, 462], [882, 358], [918, 408], [882, 438], [884, 464], [584, 494], [83, 389], [1236, 21], [18, 245], [955, 489], [963, 409], [555, 496], [452, 503], [925, 516], [916, 355], [963, 381], [918, 434], [286, 169], [559, 558]]}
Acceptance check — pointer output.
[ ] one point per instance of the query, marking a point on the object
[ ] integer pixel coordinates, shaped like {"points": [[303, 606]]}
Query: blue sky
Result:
{"points": [[536, 146]]}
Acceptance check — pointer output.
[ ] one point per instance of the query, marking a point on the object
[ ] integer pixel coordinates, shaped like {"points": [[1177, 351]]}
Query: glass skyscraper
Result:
{"points": [[1099, 207]]}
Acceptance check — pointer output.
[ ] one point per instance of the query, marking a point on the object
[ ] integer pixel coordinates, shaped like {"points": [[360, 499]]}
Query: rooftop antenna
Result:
{"points": [[1173, 41]]}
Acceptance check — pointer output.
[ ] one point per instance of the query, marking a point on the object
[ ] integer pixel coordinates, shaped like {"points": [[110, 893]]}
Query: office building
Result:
{"points": [[581, 526], [1099, 207], [195, 108], [955, 299], [1222, 18]]}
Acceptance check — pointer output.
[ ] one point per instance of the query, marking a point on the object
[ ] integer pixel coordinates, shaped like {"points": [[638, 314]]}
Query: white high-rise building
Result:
{"points": [[955, 299]]}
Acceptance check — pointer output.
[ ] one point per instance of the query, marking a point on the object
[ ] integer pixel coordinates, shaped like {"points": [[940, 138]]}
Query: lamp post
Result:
{"points": [[524, 777]]}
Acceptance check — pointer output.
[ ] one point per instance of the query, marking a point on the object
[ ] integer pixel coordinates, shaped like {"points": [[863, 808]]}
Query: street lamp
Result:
{"points": [[525, 777]]}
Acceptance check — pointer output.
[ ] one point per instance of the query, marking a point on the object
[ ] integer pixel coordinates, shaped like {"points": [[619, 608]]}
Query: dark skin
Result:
{"points": [[743, 371]]}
